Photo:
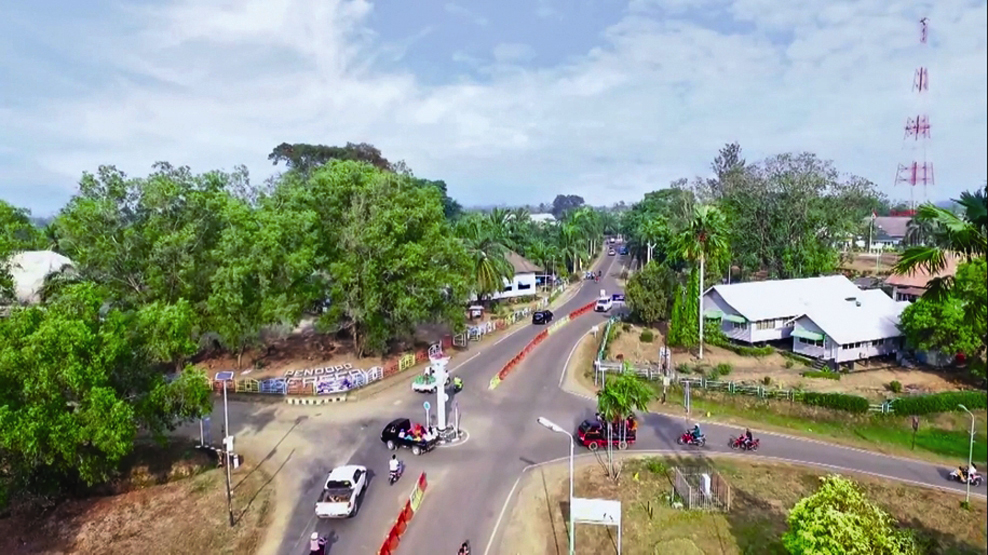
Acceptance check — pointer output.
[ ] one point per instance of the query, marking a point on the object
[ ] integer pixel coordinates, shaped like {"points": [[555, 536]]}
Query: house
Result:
{"points": [[858, 327], [523, 284], [911, 286], [543, 218], [759, 311], [29, 269], [887, 232]]}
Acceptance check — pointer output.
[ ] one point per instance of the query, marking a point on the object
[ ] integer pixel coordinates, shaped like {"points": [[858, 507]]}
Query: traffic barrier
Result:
{"points": [[408, 511]]}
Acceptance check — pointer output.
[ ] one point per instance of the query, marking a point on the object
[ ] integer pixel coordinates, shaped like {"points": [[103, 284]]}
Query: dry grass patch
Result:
{"points": [[762, 494], [874, 264]]}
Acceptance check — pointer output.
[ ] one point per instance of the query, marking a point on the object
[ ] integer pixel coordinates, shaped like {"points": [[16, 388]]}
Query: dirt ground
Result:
{"points": [[867, 263], [761, 495], [868, 380], [186, 515]]}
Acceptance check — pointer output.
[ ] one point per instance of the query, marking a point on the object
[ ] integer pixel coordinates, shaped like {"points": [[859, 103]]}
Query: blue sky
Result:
{"points": [[509, 102]]}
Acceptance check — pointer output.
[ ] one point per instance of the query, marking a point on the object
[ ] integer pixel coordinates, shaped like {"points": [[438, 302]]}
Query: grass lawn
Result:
{"points": [[761, 495]]}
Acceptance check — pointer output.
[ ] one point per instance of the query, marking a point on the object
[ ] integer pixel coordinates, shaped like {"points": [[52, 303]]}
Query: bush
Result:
{"points": [[719, 340], [788, 364], [820, 374], [940, 402], [795, 359], [656, 466], [626, 327], [684, 368], [722, 369], [837, 401], [646, 336], [895, 386], [767, 380]]}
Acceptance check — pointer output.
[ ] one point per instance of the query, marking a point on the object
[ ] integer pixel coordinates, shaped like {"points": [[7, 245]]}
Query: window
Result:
{"points": [[524, 286], [739, 325], [765, 324], [507, 288], [845, 347], [813, 342], [877, 342]]}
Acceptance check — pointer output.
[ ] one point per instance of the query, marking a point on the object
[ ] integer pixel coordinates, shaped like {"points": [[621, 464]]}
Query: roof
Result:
{"points": [[920, 277], [521, 264], [343, 473], [783, 298], [29, 270], [893, 226], [869, 315], [540, 218]]}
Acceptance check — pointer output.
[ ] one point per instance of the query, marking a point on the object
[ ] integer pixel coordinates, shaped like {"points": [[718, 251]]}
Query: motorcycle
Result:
{"points": [[687, 439], [394, 475], [741, 443], [975, 479]]}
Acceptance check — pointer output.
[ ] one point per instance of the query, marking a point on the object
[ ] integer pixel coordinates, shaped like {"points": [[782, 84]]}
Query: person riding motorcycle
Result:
{"points": [[316, 543], [696, 434], [394, 464], [464, 549], [748, 440], [967, 473], [457, 383]]}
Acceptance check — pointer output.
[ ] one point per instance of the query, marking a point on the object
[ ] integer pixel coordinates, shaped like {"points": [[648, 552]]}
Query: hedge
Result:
{"points": [[821, 374], [838, 401], [940, 402], [719, 340]]}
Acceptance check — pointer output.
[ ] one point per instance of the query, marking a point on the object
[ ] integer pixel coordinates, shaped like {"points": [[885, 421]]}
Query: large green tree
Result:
{"points": [[77, 384], [650, 293], [838, 518]]}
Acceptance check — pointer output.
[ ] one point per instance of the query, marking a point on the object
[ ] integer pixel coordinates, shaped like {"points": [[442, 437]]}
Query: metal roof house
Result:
{"points": [[855, 328], [828, 317], [29, 269], [758, 311], [523, 284]]}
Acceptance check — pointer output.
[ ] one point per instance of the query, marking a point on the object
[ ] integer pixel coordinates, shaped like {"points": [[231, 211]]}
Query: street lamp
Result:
{"points": [[559, 430], [970, 454]]}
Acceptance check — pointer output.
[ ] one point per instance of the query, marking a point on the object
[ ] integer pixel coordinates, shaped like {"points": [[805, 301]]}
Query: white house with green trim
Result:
{"points": [[760, 311], [857, 327]]}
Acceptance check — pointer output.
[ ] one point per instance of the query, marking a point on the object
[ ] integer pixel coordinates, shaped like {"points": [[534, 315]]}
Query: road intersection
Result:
{"points": [[470, 483]]}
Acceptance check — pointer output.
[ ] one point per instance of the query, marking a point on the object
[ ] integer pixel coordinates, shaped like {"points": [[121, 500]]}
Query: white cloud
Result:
{"points": [[652, 103], [509, 53], [461, 11]]}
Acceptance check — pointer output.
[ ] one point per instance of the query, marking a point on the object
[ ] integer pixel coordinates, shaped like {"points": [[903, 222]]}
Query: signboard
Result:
{"points": [[426, 405], [224, 376], [618, 297]]}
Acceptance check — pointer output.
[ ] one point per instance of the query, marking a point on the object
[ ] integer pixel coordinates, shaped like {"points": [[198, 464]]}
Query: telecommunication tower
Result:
{"points": [[918, 172]]}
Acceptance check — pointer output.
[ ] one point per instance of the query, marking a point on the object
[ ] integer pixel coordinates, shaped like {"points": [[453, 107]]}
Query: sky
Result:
{"points": [[509, 102]]}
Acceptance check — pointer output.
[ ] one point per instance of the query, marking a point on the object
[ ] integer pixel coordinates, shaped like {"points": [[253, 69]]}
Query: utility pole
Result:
{"points": [[227, 448]]}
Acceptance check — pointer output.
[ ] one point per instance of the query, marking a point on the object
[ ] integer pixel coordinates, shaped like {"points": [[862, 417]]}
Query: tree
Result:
{"points": [[398, 262], [788, 213], [451, 208], [684, 328], [623, 393], [838, 518], [489, 267], [564, 203], [650, 293], [170, 331], [90, 388], [307, 157], [704, 238]]}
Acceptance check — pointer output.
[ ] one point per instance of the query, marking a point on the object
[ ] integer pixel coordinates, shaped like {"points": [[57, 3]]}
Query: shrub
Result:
{"points": [[796, 358], [895, 386], [684, 368], [646, 336], [656, 466], [788, 364], [940, 402], [626, 327], [820, 374], [767, 380], [837, 401], [723, 369]]}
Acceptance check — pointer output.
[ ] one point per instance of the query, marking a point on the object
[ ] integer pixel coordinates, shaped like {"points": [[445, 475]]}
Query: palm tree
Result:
{"points": [[487, 251], [944, 234], [621, 396], [570, 240], [703, 238], [653, 232]]}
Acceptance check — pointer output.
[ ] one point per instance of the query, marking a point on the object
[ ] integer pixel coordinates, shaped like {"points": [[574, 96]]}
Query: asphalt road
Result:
{"points": [[470, 482]]}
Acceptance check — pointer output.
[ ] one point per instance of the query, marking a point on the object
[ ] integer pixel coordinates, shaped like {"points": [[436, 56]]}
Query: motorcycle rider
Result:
{"points": [[393, 465], [316, 544], [457, 383], [748, 440], [696, 434], [968, 473], [464, 549]]}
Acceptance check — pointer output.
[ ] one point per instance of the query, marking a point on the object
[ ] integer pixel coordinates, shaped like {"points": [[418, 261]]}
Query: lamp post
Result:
{"points": [[970, 454], [559, 430]]}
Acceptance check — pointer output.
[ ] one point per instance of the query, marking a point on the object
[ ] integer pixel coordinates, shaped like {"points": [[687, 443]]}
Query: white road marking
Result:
{"points": [[398, 402], [562, 375]]}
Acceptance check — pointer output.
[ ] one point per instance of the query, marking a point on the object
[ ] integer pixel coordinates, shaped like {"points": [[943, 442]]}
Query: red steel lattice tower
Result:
{"points": [[919, 171]]}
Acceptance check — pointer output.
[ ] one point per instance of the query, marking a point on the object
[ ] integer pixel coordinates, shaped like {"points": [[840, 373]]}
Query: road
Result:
{"points": [[470, 482]]}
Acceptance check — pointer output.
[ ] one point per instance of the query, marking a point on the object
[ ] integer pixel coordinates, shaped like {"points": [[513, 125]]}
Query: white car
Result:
{"points": [[343, 488], [426, 384], [603, 304]]}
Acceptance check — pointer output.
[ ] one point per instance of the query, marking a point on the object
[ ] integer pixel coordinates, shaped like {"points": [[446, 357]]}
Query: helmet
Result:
{"points": [[315, 535], [394, 456]]}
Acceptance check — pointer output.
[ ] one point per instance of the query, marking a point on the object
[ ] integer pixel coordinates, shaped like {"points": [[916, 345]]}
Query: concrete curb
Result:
{"points": [[315, 400]]}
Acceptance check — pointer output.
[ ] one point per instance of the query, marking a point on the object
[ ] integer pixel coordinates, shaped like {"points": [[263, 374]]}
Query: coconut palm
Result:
{"points": [[653, 232], [490, 268], [704, 237], [945, 234]]}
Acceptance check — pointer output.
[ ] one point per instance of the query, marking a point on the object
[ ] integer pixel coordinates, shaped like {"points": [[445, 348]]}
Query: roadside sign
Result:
{"points": [[426, 405]]}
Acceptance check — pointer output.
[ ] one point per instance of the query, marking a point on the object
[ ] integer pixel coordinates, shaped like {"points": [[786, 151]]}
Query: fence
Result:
{"points": [[408, 511], [514, 362], [730, 387], [701, 489]]}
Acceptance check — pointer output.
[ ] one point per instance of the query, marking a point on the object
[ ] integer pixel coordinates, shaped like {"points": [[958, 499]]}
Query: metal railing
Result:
{"points": [[688, 485]]}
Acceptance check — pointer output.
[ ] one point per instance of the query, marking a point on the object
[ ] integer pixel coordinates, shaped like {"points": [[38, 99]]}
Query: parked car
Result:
{"points": [[610, 252], [342, 491], [400, 433], [541, 317]]}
